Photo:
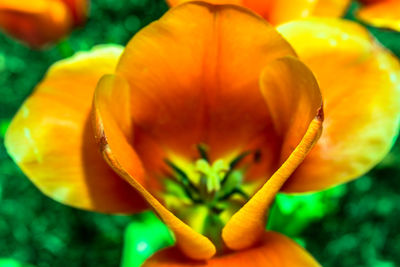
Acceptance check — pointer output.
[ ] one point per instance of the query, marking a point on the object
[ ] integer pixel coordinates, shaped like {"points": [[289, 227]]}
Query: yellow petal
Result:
{"points": [[384, 14], [294, 100], [112, 98], [36, 23], [52, 141], [360, 84], [275, 250]]}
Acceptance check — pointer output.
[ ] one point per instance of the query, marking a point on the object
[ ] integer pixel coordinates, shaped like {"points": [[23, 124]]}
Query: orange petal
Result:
{"points": [[293, 97], [294, 100], [331, 8], [277, 12], [276, 250], [365, 2], [286, 10], [384, 14], [36, 23], [262, 8], [52, 141], [360, 84], [215, 2], [112, 98], [190, 71], [280, 11], [78, 10]]}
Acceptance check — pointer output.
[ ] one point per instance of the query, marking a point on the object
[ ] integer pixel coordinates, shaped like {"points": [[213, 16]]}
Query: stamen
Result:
{"points": [[203, 151], [210, 184], [186, 190], [181, 174], [213, 187], [238, 159], [257, 156], [231, 193], [233, 164]]}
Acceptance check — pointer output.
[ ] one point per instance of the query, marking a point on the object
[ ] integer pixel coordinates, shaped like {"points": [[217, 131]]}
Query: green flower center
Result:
{"points": [[206, 194]]}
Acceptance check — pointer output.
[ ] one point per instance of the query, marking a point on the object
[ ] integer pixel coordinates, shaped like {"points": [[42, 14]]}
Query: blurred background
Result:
{"points": [[351, 225]]}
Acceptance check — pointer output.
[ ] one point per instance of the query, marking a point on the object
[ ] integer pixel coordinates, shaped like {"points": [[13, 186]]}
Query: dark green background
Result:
{"points": [[352, 225]]}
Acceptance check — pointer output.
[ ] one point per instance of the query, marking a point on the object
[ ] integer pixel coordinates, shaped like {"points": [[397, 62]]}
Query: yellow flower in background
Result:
{"points": [[279, 11], [381, 13], [38, 23], [204, 117]]}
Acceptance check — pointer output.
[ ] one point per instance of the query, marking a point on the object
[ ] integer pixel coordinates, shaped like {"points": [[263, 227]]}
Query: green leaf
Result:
{"points": [[291, 214], [145, 235], [13, 263]]}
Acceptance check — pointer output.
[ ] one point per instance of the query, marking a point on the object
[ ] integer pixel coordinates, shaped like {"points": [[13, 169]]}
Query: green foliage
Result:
{"points": [[145, 235], [291, 214], [3, 126], [13, 263]]}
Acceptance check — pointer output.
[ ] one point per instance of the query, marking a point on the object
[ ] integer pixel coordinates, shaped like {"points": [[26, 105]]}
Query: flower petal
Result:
{"points": [[331, 8], [287, 10], [280, 11], [214, 2], [36, 22], [294, 100], [78, 10], [194, 77], [360, 84], [52, 141], [276, 250], [384, 14], [112, 98]]}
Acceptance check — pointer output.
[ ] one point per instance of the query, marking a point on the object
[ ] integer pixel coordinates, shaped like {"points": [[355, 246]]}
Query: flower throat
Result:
{"points": [[208, 193]]}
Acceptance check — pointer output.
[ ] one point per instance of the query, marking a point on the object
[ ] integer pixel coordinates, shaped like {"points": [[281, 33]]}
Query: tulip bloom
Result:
{"points": [[381, 13], [204, 117], [280, 11], [41, 22]]}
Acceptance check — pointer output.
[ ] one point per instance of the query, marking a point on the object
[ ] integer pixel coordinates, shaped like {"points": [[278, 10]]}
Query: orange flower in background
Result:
{"points": [[279, 11], [41, 22], [381, 13], [204, 117]]}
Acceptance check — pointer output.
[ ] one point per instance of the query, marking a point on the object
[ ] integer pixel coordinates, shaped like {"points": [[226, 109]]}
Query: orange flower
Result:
{"points": [[381, 13], [204, 117], [280, 11], [41, 22]]}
